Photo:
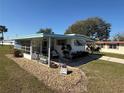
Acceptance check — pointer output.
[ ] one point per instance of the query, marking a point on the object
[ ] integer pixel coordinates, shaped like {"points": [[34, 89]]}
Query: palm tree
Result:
{"points": [[2, 30]]}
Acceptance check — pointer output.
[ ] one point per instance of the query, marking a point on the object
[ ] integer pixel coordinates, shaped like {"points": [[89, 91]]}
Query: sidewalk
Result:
{"points": [[112, 59]]}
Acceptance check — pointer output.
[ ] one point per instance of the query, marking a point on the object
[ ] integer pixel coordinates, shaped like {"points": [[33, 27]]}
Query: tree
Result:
{"points": [[45, 31], [119, 37], [2, 30], [95, 28]]}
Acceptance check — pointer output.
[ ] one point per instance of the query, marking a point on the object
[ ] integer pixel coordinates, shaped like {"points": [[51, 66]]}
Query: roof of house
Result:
{"points": [[110, 42], [67, 36]]}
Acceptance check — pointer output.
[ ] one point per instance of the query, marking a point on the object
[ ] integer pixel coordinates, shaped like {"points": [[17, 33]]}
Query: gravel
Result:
{"points": [[75, 82]]}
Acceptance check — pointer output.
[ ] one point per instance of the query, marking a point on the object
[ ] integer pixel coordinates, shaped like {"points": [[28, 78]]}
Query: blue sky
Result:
{"points": [[28, 16]]}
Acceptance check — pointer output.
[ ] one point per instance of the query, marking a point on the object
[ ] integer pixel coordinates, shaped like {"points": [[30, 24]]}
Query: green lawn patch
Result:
{"points": [[113, 55], [104, 76], [14, 79]]}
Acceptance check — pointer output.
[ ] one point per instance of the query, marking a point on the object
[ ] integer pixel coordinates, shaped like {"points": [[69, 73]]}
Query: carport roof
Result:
{"points": [[57, 36]]}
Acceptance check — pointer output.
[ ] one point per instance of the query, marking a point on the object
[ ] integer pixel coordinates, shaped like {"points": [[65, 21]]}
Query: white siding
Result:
{"points": [[119, 50]]}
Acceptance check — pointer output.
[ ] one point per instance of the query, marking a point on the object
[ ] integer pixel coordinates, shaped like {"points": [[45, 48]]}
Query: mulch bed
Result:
{"points": [[75, 82]]}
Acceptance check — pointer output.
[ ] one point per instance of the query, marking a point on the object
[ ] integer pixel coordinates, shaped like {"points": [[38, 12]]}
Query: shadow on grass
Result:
{"points": [[83, 60]]}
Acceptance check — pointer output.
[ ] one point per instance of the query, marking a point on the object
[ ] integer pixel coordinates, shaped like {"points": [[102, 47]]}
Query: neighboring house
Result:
{"points": [[111, 46], [42, 43], [7, 42]]}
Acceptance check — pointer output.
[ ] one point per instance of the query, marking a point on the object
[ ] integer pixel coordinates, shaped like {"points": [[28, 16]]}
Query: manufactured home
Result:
{"points": [[42, 44], [7, 42], [111, 46]]}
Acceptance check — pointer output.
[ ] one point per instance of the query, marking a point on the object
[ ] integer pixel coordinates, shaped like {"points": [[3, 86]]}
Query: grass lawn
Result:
{"points": [[104, 77], [14, 79], [113, 55]]}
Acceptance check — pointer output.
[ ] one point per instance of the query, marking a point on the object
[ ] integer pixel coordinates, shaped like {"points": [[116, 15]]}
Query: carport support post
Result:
{"points": [[31, 48], [49, 51]]}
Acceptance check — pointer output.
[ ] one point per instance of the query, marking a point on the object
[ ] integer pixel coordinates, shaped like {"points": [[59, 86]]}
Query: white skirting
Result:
{"points": [[28, 56]]}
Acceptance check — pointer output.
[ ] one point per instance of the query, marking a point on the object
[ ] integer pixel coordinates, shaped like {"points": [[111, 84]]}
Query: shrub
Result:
{"points": [[53, 65], [18, 53], [84, 54], [74, 55]]}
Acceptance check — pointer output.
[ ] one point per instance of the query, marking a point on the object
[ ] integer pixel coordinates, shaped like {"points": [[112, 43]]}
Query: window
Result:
{"points": [[113, 46], [61, 42], [77, 43]]}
